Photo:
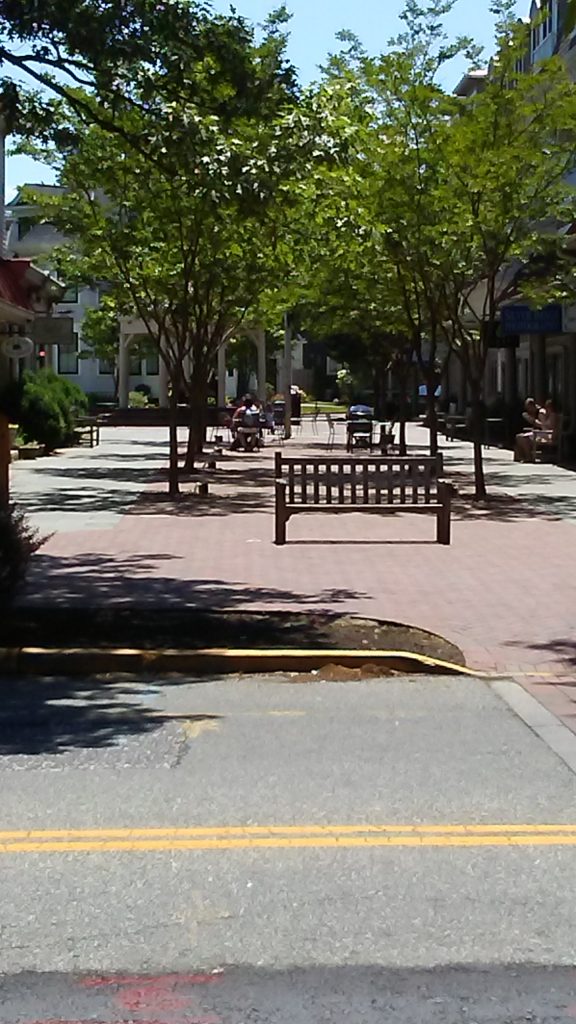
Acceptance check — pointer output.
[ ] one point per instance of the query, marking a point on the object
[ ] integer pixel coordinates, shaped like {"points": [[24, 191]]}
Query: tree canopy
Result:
{"points": [[210, 191]]}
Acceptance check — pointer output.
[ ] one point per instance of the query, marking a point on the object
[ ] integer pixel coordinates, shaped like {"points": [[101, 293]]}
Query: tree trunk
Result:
{"points": [[432, 417], [197, 427], [380, 377], [477, 424], [402, 410], [173, 482]]}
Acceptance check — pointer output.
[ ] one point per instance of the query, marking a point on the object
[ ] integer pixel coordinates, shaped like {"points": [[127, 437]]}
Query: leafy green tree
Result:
{"points": [[101, 336], [508, 156], [442, 197], [104, 59], [192, 252]]}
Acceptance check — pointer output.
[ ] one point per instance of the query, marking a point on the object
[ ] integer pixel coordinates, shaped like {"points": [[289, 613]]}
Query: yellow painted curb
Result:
{"points": [[94, 661]]}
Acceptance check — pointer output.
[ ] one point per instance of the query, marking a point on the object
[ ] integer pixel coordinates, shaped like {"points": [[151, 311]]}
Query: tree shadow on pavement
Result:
{"points": [[78, 500], [514, 493], [108, 580], [509, 508], [195, 505], [559, 648], [121, 474], [46, 715], [233, 489]]}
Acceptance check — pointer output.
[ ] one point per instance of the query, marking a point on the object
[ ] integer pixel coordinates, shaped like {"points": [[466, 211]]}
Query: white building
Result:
{"points": [[31, 237]]}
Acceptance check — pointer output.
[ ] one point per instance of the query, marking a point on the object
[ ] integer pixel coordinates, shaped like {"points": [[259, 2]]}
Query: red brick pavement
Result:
{"points": [[504, 591]]}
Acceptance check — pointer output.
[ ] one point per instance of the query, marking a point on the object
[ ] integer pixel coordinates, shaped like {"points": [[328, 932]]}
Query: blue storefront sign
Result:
{"points": [[525, 320]]}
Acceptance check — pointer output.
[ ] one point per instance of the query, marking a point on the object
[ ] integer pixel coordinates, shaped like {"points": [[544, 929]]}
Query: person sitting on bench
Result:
{"points": [[532, 419]]}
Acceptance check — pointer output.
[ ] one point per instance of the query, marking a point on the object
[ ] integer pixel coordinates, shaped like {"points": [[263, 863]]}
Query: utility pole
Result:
{"points": [[287, 376]]}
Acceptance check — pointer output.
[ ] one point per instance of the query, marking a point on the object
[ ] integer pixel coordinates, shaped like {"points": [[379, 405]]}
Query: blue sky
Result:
{"points": [[313, 30]]}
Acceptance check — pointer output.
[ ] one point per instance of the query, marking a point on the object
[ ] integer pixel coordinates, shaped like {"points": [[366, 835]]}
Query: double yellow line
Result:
{"points": [[244, 837]]}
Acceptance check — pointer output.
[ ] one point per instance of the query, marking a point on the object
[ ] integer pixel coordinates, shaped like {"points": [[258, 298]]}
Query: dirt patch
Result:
{"points": [[190, 629]]}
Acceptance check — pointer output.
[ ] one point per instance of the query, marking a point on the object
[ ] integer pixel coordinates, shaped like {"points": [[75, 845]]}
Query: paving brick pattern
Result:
{"points": [[504, 591]]}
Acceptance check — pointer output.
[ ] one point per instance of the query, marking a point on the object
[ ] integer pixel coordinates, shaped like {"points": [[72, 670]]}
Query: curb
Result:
{"points": [[94, 661]]}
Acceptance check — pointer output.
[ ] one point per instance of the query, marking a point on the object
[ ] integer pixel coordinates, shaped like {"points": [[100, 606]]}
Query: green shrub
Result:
{"points": [[71, 399], [46, 407], [18, 541], [136, 400], [41, 418]]}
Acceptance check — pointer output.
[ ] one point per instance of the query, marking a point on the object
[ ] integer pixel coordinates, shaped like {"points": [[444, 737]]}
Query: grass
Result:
{"points": [[308, 408]]}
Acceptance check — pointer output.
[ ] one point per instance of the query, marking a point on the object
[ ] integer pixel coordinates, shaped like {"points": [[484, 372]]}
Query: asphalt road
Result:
{"points": [[275, 851]]}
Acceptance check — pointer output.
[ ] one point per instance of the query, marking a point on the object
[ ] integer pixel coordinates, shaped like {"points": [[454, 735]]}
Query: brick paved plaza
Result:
{"points": [[505, 591]]}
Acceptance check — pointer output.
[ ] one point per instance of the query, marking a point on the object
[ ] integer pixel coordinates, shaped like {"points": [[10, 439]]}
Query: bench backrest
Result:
{"points": [[379, 480]]}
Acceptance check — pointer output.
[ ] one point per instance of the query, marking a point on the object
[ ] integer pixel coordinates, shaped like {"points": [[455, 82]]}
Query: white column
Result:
{"points": [[163, 379], [260, 342], [124, 370], [222, 376]]}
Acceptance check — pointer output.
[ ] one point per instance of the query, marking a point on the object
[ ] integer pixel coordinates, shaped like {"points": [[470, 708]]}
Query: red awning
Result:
{"points": [[14, 288]]}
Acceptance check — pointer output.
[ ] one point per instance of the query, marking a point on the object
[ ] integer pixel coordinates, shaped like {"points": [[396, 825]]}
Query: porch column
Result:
{"points": [[222, 376], [163, 378], [124, 370]]}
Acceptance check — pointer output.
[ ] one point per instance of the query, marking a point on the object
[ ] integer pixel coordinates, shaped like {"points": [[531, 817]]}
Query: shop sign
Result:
{"points": [[525, 320]]}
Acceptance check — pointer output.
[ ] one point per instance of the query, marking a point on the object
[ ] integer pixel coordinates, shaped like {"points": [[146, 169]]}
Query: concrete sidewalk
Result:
{"points": [[505, 591]]}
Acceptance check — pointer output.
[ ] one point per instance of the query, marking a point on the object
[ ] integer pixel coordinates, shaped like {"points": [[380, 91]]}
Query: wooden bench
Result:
{"points": [[554, 446], [377, 484], [88, 426]]}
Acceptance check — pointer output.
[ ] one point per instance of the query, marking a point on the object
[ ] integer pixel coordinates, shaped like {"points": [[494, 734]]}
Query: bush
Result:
{"points": [[45, 406], [71, 399], [18, 542], [136, 400], [41, 419]]}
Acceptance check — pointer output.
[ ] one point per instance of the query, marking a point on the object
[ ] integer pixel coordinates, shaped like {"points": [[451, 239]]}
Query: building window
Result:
{"points": [[68, 356], [135, 369], [152, 364], [106, 367], [25, 224], [71, 294]]}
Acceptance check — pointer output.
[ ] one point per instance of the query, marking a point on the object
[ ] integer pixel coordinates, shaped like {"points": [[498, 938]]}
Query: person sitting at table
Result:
{"points": [[541, 424], [247, 415], [550, 422]]}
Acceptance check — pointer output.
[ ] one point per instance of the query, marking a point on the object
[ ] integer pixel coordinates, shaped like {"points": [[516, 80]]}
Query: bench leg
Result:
{"points": [[443, 516], [280, 515]]}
